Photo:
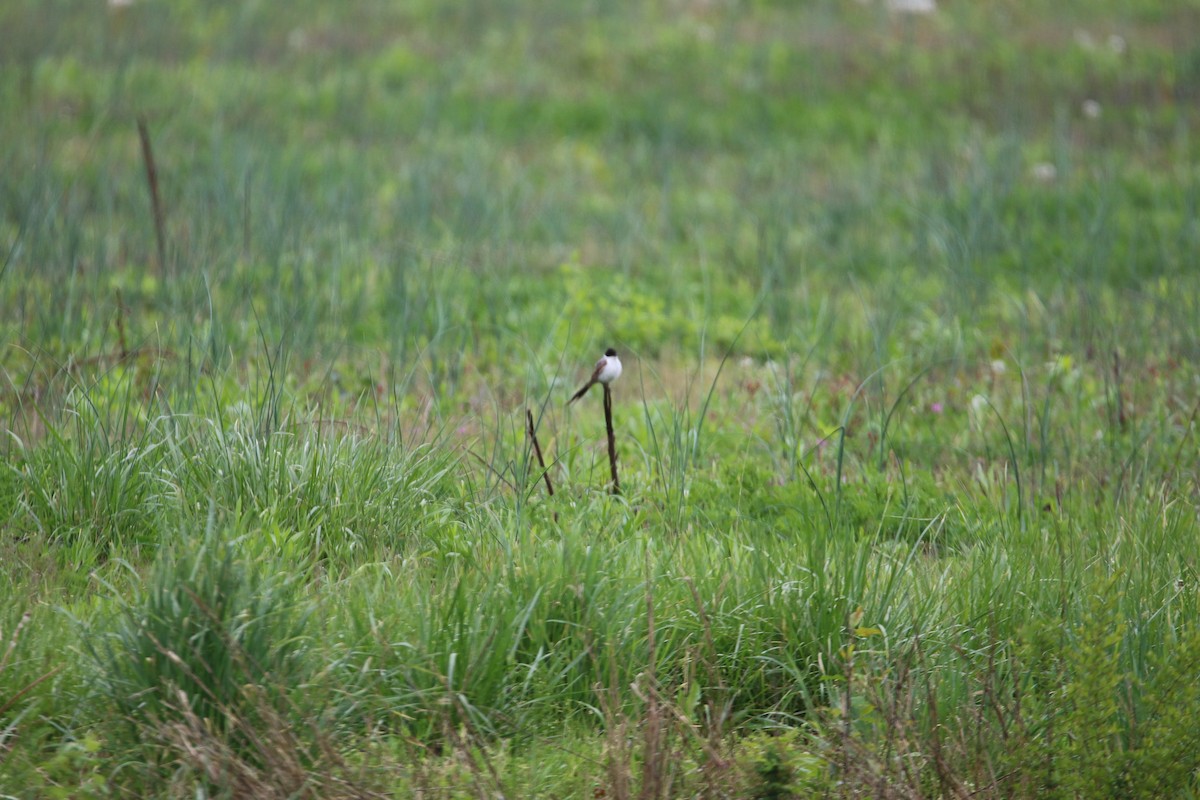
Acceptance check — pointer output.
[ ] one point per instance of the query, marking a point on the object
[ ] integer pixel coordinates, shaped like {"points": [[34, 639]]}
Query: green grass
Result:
{"points": [[907, 430]]}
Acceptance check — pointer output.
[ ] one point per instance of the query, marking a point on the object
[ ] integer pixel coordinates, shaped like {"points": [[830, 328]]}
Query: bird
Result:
{"points": [[608, 369]]}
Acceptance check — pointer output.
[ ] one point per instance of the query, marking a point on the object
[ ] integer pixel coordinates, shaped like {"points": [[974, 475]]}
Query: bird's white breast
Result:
{"points": [[610, 370]]}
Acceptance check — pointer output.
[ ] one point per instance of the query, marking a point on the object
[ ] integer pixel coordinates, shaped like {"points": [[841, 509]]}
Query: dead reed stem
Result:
{"points": [[155, 198], [612, 440], [537, 449]]}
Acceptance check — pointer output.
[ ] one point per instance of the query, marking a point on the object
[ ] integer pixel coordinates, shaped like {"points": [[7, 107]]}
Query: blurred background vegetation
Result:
{"points": [[384, 177]]}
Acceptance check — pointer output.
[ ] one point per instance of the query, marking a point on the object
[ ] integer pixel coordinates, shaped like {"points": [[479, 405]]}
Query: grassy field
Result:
{"points": [[907, 432]]}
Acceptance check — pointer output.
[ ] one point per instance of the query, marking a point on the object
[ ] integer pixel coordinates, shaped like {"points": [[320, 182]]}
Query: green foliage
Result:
{"points": [[77, 769], [26, 691], [1092, 758], [948, 256], [93, 484], [333, 498], [1119, 731], [644, 313], [214, 625], [777, 766], [1165, 742]]}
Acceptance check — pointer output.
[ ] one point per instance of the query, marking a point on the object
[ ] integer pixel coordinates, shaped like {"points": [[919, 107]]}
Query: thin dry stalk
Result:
{"points": [[282, 767], [893, 770], [654, 753], [246, 216], [537, 449], [470, 756], [612, 440], [718, 704], [616, 727], [12, 646], [271, 761], [12, 642], [121, 341], [847, 707], [155, 197], [1122, 416], [951, 785], [29, 687]]}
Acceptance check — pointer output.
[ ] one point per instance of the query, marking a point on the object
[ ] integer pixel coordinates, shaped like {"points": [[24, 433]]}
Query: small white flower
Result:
{"points": [[1044, 171], [979, 404], [912, 6], [999, 367], [120, 3], [1091, 109]]}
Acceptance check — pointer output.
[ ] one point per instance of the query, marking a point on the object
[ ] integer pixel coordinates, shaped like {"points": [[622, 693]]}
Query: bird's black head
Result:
{"points": [[610, 352]]}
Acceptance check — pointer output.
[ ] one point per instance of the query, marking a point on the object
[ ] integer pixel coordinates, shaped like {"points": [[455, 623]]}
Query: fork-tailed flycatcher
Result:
{"points": [[608, 369]]}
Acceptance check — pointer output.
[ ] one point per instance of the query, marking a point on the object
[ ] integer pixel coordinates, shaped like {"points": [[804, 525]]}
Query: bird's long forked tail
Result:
{"points": [[581, 392]]}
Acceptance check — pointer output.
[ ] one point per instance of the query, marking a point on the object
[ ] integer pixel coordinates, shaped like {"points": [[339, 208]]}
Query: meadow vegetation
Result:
{"points": [[908, 425]]}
